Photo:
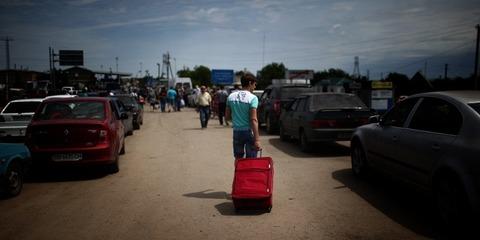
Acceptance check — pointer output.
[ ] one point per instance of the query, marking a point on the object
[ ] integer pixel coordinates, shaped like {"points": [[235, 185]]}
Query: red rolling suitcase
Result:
{"points": [[253, 183]]}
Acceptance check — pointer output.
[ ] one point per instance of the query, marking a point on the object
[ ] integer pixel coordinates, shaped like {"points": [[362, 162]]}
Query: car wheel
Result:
{"points": [[113, 167], [122, 150], [270, 128], [452, 204], [13, 180], [304, 143], [283, 136], [359, 160], [136, 126]]}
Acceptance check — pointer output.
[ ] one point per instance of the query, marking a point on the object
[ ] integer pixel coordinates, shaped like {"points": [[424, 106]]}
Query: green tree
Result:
{"points": [[202, 76], [269, 72], [185, 73], [330, 73]]}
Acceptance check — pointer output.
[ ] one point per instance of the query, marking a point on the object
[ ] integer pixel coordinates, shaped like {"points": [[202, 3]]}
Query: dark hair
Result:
{"points": [[247, 78]]}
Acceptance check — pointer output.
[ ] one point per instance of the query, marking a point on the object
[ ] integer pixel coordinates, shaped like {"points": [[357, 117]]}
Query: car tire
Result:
{"points": [[122, 150], [136, 126], [452, 205], [359, 160], [283, 136], [12, 183], [269, 126], [305, 145], [113, 167]]}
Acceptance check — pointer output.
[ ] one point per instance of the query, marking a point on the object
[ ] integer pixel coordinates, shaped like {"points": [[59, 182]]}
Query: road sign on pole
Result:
{"points": [[222, 76]]}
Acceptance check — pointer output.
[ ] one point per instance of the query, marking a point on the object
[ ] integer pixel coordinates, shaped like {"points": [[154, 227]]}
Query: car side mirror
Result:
{"points": [[375, 119], [124, 116]]}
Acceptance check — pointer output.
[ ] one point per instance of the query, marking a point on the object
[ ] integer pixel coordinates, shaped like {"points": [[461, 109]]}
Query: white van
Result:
{"points": [[186, 83]]}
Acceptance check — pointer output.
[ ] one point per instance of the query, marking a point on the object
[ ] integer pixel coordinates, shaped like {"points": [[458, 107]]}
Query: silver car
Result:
{"points": [[431, 140]]}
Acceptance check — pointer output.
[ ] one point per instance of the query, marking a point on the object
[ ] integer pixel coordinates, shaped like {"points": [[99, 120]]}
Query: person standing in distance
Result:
{"points": [[203, 104], [242, 109]]}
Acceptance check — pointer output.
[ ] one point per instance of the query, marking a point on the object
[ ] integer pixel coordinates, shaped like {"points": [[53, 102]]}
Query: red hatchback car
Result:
{"points": [[76, 131]]}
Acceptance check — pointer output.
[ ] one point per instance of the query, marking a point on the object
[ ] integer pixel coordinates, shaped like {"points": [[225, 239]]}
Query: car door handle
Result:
{"points": [[435, 146]]}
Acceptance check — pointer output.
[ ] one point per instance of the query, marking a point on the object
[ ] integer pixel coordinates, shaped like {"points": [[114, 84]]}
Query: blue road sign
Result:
{"points": [[222, 76]]}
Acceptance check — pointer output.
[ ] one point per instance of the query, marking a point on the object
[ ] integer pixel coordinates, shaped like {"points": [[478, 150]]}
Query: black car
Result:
{"points": [[273, 98], [132, 105], [323, 117], [121, 108]]}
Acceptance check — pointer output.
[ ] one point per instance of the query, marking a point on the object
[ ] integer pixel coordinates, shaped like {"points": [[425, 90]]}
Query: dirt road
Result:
{"points": [[174, 183]]}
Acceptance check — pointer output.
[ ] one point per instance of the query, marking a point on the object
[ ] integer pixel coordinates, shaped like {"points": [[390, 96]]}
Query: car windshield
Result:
{"points": [[21, 107], [291, 92], [335, 101], [72, 110], [475, 106], [127, 100]]}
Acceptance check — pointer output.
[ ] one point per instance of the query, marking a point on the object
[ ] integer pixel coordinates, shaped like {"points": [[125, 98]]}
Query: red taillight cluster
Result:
{"points": [[323, 123], [276, 107]]}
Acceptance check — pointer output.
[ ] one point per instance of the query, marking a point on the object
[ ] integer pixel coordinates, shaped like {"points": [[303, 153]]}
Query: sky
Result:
{"points": [[387, 35]]}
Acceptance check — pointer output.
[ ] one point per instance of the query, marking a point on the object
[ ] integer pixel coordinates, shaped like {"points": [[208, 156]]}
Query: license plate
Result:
{"points": [[67, 157]]}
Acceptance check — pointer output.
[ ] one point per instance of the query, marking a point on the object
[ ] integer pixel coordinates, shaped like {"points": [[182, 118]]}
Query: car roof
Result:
{"points": [[78, 99], [469, 96], [28, 100], [324, 93]]}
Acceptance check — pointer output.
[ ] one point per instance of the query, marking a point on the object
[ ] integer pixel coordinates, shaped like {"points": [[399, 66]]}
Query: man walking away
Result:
{"points": [[242, 109], [203, 103], [171, 95], [222, 103]]}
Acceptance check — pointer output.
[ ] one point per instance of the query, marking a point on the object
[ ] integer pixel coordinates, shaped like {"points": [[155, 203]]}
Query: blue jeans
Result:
{"points": [[204, 115], [243, 145]]}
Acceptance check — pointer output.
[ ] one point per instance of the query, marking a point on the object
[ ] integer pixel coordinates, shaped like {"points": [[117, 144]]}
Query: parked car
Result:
{"points": [[273, 98], [77, 131], [14, 162], [15, 117], [430, 140], [132, 105], [323, 117], [122, 109]]}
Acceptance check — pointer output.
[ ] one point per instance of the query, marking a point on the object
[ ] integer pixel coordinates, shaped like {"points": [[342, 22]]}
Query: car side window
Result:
{"points": [[294, 105], [437, 115], [265, 95], [399, 113], [115, 112], [301, 105]]}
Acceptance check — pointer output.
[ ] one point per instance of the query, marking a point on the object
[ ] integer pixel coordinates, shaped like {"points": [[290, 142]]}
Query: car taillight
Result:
{"points": [[323, 123], [363, 121], [103, 135], [276, 107]]}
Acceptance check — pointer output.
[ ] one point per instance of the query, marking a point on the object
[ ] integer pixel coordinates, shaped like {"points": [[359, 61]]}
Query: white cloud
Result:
{"points": [[414, 10], [118, 10], [343, 6], [81, 2], [213, 15]]}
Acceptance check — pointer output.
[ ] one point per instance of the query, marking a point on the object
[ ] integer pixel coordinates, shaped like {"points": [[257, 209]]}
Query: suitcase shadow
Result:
{"points": [[208, 194], [227, 209]]}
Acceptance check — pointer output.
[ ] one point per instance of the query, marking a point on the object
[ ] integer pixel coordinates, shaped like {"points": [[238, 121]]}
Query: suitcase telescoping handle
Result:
{"points": [[259, 151]]}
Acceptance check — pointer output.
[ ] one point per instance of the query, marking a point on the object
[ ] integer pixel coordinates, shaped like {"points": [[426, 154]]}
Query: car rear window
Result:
{"points": [[291, 92], [475, 106], [21, 107], [336, 101], [72, 110], [126, 100]]}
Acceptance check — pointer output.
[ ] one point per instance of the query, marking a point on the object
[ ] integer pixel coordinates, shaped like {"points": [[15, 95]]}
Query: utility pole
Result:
{"points": [[158, 65], [116, 63], [475, 72], [446, 71], [7, 48], [263, 51]]}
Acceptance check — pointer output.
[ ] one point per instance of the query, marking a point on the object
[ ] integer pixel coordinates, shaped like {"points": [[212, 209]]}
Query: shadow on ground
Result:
{"points": [[65, 174], [225, 208], [292, 148], [409, 207]]}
